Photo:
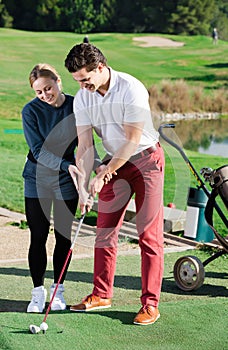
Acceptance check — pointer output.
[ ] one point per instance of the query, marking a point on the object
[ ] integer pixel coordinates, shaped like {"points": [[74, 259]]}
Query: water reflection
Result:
{"points": [[204, 136], [215, 148]]}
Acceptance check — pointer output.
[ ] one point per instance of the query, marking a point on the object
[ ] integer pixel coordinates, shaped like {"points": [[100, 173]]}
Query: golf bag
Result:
{"points": [[218, 180]]}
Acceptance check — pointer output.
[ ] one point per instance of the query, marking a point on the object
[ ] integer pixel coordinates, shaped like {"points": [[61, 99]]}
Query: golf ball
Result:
{"points": [[43, 326]]}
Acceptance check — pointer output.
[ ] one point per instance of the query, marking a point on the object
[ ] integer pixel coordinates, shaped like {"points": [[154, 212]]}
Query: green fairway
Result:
{"points": [[177, 175], [198, 61], [14, 150], [21, 50], [193, 320]]}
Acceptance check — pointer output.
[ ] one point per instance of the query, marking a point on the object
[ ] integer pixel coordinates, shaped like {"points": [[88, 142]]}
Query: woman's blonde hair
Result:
{"points": [[44, 70]]}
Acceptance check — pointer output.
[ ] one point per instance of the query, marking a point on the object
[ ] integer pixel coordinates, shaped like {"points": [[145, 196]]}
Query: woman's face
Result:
{"points": [[47, 90]]}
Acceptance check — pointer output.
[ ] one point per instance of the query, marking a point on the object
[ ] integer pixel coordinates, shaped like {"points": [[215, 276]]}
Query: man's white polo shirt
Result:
{"points": [[126, 101]]}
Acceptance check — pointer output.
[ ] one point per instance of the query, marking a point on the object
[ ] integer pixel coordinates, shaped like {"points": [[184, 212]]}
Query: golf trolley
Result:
{"points": [[189, 270]]}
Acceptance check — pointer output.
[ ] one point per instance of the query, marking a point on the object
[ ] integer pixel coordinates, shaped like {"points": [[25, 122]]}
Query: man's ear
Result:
{"points": [[100, 66]]}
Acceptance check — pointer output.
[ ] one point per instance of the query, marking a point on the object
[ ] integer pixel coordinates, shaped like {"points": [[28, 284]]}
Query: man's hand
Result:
{"points": [[96, 185], [102, 178]]}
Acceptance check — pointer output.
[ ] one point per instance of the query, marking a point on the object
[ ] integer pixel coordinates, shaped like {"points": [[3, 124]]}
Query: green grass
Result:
{"points": [[178, 178], [198, 61], [21, 50], [193, 320], [14, 149]]}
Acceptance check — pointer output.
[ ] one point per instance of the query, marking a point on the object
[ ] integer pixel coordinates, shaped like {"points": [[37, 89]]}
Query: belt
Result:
{"points": [[145, 152]]}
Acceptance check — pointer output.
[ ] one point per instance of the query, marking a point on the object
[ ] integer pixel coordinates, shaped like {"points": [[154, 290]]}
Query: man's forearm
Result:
{"points": [[120, 157], [85, 155]]}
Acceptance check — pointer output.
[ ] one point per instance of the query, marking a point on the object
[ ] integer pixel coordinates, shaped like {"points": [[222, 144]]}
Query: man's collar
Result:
{"points": [[113, 86]]}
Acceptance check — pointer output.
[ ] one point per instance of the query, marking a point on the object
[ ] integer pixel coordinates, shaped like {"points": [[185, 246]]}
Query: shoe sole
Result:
{"points": [[92, 308], [146, 324], [56, 308], [35, 312]]}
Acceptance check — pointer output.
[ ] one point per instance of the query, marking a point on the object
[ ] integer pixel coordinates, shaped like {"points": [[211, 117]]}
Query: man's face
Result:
{"points": [[90, 81]]}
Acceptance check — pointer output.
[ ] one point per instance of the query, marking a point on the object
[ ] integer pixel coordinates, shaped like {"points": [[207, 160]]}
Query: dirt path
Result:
{"points": [[15, 241]]}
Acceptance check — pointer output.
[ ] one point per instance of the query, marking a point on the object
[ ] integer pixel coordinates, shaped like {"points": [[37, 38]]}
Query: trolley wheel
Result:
{"points": [[189, 273]]}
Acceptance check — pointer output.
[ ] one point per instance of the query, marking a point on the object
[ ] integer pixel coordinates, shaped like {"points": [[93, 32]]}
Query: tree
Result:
{"points": [[5, 19], [86, 16], [156, 14], [23, 15], [105, 15], [220, 19], [191, 17], [129, 18], [48, 14]]}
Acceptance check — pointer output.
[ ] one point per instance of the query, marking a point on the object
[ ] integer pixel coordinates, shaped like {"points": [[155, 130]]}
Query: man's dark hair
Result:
{"points": [[84, 56]]}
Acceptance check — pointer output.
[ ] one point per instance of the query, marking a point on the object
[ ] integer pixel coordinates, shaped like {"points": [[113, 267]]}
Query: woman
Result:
{"points": [[49, 129]]}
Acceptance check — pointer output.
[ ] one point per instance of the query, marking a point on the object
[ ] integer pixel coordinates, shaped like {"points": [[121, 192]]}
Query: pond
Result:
{"points": [[203, 135]]}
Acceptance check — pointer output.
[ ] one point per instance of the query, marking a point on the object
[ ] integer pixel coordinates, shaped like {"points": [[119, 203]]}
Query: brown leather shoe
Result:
{"points": [[91, 302], [147, 315]]}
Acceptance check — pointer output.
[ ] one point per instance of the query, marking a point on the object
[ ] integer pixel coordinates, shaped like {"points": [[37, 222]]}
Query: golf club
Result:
{"points": [[191, 167], [43, 327]]}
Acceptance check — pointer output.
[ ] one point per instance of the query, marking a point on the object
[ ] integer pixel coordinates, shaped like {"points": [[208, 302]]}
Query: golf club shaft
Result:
{"points": [[64, 266]]}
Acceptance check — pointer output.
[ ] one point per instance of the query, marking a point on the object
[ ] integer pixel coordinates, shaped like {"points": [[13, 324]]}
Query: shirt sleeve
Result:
{"points": [[137, 108], [36, 143], [81, 110]]}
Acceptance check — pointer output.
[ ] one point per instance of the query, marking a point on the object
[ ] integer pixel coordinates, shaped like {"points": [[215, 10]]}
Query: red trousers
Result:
{"points": [[144, 177]]}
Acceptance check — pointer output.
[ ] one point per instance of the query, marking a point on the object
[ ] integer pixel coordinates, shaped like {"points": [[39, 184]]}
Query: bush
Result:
{"points": [[178, 97]]}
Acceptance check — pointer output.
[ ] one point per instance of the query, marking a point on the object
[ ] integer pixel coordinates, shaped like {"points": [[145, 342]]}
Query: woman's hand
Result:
{"points": [[85, 199], [74, 171]]}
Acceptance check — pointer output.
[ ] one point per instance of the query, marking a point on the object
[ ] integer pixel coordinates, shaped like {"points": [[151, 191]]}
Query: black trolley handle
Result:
{"points": [[191, 167]]}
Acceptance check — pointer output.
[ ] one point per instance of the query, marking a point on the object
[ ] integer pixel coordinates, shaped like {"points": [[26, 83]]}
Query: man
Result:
{"points": [[115, 105], [215, 36]]}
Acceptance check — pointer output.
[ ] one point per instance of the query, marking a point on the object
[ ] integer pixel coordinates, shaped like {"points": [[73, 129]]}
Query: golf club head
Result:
{"points": [[34, 329]]}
